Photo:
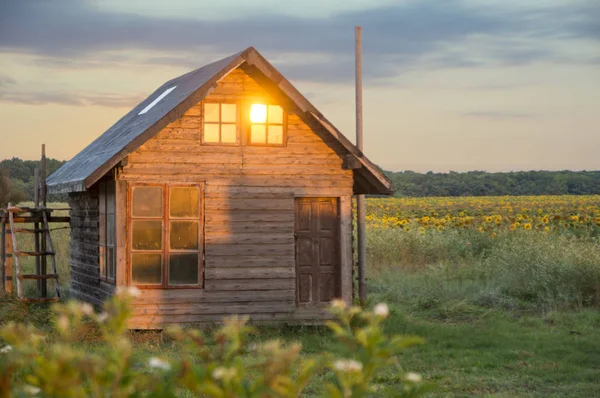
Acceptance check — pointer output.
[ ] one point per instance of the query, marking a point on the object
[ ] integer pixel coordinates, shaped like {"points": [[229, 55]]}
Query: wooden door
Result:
{"points": [[317, 257]]}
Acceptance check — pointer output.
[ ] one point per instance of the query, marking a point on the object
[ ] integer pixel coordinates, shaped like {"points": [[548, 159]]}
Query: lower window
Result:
{"points": [[166, 235]]}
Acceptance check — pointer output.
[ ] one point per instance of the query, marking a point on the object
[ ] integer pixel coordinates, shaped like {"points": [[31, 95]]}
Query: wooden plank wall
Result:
{"points": [[249, 213], [85, 269]]}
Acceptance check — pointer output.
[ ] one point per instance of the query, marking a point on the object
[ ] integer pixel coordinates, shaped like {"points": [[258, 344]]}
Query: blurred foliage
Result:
{"points": [[220, 364]]}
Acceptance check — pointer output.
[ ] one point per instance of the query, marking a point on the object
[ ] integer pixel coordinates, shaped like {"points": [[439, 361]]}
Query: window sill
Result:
{"points": [[221, 144], [183, 287], [108, 284]]}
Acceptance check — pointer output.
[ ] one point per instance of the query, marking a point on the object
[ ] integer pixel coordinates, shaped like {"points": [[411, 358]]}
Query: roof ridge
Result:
{"points": [[194, 71]]}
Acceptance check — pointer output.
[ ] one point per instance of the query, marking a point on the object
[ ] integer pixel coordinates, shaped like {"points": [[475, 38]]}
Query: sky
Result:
{"points": [[496, 85]]}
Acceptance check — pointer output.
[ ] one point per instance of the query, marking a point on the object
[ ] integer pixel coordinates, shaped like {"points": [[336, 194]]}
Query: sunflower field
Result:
{"points": [[491, 214]]}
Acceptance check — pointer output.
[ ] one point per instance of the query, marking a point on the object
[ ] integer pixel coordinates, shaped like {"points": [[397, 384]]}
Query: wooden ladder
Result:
{"points": [[45, 231]]}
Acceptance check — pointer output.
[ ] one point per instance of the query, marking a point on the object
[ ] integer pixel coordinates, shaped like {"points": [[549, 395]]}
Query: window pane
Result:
{"points": [[102, 197], [275, 134], [102, 229], [147, 202], [110, 229], [110, 197], [229, 133], [110, 262], [184, 202], [183, 269], [211, 112], [146, 235], [275, 114], [258, 134], [258, 113], [184, 235], [102, 258], [211, 132], [228, 113], [146, 269]]}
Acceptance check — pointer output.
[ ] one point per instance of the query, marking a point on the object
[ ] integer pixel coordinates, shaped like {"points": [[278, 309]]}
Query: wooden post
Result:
{"points": [[43, 260], [36, 189], [2, 254], [36, 226], [360, 199], [9, 255], [8, 263]]}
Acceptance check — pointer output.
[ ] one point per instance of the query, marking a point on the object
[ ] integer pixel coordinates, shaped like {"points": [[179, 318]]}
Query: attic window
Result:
{"points": [[220, 123], [267, 125], [157, 100]]}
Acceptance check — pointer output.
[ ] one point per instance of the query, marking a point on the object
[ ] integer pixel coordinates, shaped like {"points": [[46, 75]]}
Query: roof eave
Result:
{"points": [[66, 187]]}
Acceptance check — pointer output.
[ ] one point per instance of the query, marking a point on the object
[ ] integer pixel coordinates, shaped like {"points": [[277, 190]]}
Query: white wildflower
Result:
{"points": [[348, 365], [158, 363], [62, 322], [252, 347], [102, 317], [6, 349], [338, 304], [87, 309], [381, 310], [221, 373], [31, 390], [413, 377]]}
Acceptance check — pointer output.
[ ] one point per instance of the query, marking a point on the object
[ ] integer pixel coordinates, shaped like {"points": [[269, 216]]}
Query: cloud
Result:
{"points": [[5, 82], [498, 115], [497, 86], [395, 37], [71, 99]]}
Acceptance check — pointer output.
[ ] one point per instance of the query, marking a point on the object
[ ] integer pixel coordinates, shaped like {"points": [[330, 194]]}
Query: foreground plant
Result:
{"points": [[222, 364]]}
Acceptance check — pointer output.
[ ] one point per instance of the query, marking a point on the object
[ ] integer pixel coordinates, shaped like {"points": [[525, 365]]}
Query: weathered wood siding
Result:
{"points": [[249, 212], [85, 268]]}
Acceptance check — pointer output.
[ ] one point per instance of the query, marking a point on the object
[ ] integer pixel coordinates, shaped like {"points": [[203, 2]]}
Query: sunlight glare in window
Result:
{"points": [[258, 113]]}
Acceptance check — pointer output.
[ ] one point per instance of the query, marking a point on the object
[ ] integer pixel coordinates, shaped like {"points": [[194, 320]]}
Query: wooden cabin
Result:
{"points": [[224, 192]]}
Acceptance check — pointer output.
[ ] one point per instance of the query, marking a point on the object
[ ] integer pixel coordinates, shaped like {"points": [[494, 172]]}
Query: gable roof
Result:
{"points": [[170, 101]]}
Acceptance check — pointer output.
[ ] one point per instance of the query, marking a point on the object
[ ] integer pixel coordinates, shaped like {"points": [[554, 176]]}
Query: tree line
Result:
{"points": [[17, 179], [481, 183], [17, 182]]}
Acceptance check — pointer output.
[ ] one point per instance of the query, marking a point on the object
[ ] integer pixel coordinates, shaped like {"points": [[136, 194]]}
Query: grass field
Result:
{"points": [[505, 311]]}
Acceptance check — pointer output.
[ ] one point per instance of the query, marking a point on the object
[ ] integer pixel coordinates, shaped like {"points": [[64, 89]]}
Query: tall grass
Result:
{"points": [[512, 270]]}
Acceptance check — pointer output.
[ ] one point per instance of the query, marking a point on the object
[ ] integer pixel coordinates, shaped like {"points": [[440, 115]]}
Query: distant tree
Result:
{"points": [[8, 192], [481, 183], [22, 171]]}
